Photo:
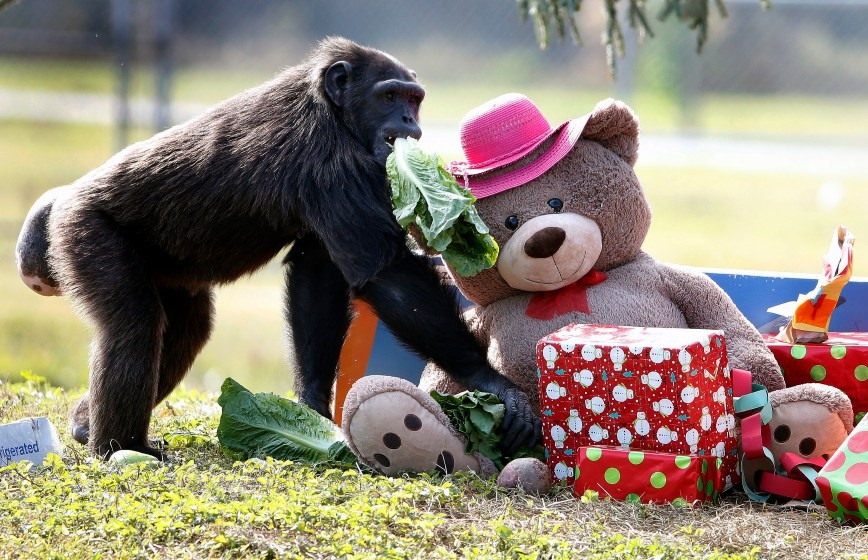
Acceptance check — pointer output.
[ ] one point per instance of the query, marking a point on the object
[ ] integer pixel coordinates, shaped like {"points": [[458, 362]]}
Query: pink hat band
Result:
{"points": [[503, 131]]}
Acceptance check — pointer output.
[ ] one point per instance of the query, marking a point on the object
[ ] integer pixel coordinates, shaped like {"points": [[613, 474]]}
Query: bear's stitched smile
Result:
{"points": [[579, 267]]}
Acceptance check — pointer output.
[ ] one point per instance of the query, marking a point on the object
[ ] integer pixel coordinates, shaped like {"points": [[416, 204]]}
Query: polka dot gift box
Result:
{"points": [[841, 361], [843, 481], [651, 389], [647, 476]]}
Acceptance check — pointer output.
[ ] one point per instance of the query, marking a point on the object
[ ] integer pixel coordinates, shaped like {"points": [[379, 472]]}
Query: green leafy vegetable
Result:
{"points": [[264, 424], [476, 414], [128, 457], [426, 195]]}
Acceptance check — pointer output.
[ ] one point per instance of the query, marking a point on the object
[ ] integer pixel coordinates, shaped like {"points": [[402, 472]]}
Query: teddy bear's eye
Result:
{"points": [[511, 222], [556, 204]]}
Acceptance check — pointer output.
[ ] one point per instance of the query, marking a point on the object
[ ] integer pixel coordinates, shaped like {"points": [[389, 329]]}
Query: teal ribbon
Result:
{"points": [[757, 403]]}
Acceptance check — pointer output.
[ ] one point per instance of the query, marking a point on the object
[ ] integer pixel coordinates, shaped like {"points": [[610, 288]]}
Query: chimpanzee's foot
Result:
{"points": [[79, 425], [321, 404], [79, 420], [81, 434]]}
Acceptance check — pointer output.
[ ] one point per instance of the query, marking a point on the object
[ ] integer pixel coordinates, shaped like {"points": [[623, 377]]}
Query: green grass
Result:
{"points": [[55, 75], [769, 222], [203, 504], [775, 116], [788, 116], [206, 85], [37, 156]]}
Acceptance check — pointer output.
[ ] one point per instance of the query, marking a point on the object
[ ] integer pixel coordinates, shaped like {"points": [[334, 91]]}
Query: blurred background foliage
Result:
{"points": [[752, 151]]}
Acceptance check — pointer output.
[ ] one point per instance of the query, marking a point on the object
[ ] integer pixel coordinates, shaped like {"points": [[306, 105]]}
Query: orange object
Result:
{"points": [[354, 354], [815, 309], [810, 322]]}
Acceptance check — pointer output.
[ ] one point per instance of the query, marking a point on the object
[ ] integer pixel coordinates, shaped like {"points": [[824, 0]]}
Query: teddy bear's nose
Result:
{"points": [[545, 242]]}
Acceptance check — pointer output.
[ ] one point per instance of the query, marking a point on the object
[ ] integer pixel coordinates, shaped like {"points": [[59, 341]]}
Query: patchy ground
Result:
{"points": [[203, 504]]}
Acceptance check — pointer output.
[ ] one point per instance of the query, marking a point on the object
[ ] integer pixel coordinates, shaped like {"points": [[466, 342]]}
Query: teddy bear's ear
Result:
{"points": [[614, 125]]}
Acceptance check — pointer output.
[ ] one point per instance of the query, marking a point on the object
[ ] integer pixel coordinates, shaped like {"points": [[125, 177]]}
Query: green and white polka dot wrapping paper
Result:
{"points": [[843, 482], [841, 361], [647, 476]]}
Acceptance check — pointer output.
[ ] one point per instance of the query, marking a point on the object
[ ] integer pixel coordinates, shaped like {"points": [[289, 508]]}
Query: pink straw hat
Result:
{"points": [[503, 131]]}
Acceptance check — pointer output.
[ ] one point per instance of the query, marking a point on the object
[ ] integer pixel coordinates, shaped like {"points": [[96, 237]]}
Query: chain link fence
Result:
{"points": [[800, 47]]}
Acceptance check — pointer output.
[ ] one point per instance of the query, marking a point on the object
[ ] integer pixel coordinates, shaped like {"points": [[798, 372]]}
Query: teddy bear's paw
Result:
{"points": [[810, 420], [393, 426]]}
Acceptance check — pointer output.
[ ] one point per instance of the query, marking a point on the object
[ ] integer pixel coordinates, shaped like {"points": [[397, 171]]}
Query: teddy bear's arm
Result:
{"points": [[706, 306]]}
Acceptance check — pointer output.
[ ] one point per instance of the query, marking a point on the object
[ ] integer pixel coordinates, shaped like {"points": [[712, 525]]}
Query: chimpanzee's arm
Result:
{"points": [[352, 216], [318, 315], [409, 298]]}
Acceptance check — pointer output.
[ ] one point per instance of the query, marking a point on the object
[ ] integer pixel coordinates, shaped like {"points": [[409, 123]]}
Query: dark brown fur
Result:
{"points": [[138, 243]]}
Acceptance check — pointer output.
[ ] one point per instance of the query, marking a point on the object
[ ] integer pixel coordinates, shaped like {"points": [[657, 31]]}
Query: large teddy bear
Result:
{"points": [[570, 217]]}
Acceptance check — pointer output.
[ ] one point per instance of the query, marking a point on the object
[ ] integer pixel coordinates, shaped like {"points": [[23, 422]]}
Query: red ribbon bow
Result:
{"points": [[573, 297]]}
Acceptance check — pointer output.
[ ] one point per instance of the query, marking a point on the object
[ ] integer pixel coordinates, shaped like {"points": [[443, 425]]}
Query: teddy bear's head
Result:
{"points": [[560, 202]]}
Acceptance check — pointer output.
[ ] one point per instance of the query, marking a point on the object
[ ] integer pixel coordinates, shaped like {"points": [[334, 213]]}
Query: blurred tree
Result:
{"points": [[559, 16]]}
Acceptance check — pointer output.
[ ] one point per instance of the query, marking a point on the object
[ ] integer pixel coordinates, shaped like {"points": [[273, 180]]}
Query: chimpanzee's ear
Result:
{"points": [[337, 77]]}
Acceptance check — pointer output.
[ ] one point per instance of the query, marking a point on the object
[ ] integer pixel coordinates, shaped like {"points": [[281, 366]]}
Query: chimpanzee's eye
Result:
{"points": [[556, 204], [511, 222], [390, 97]]}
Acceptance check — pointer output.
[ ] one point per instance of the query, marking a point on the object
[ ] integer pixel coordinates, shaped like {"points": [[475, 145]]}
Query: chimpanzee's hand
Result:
{"points": [[520, 428]]}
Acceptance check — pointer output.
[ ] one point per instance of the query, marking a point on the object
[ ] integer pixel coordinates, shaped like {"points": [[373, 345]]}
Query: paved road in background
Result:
{"points": [[830, 160]]}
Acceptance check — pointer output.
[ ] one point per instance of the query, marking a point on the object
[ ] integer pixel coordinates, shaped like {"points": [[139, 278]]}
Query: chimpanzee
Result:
{"points": [[139, 243]]}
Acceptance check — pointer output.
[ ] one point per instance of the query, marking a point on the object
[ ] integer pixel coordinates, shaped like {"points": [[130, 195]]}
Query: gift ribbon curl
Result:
{"points": [[794, 477]]}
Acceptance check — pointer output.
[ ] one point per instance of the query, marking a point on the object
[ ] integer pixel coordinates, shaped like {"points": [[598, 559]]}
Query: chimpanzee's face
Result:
{"points": [[393, 106], [380, 101]]}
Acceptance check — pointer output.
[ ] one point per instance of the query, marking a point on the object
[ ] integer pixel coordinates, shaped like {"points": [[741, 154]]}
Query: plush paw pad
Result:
{"points": [[810, 420], [395, 429]]}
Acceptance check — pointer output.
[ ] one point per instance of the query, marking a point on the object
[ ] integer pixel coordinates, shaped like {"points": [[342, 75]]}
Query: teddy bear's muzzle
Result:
{"points": [[549, 252]]}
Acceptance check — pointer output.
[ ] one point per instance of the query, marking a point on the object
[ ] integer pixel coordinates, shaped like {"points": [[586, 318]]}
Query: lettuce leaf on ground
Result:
{"points": [[266, 425], [426, 195]]}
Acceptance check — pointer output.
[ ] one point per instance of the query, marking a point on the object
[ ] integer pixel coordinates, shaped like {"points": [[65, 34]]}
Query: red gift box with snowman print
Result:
{"points": [[653, 389]]}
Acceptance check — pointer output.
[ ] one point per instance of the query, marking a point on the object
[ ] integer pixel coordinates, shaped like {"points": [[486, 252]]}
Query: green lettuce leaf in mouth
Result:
{"points": [[424, 194]]}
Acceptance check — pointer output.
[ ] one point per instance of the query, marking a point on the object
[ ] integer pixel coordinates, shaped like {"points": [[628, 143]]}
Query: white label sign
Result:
{"points": [[30, 439]]}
